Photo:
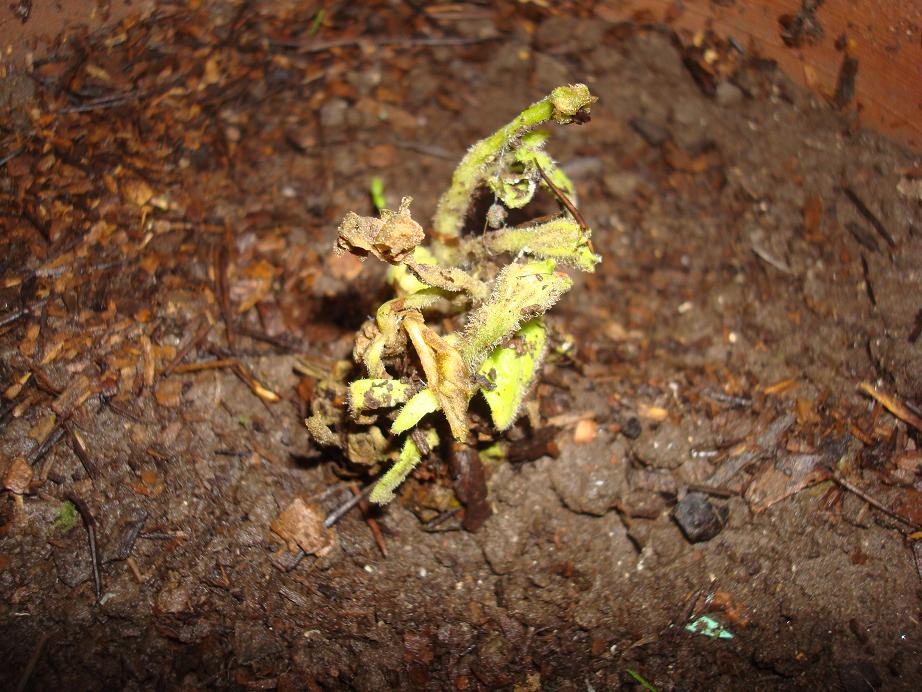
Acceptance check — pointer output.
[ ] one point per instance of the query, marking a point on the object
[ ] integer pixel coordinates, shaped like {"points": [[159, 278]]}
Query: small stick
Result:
{"points": [[77, 444], [41, 379], [897, 408], [188, 346], [220, 271], [869, 216], [130, 537], [874, 503], [33, 661], [432, 150], [437, 521], [341, 511], [287, 344], [53, 437], [164, 535], [324, 494], [711, 490], [90, 523], [125, 413], [12, 155], [239, 369], [720, 397], [214, 364], [135, 570], [11, 317], [103, 102], [6, 410], [917, 328], [574, 212], [370, 520]]}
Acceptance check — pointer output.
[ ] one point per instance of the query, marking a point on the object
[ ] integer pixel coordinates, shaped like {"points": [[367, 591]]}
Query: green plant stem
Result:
{"points": [[562, 105]]}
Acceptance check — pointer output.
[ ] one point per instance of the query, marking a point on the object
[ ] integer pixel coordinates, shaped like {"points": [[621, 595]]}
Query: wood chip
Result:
{"points": [[655, 413], [43, 428], [781, 387], [78, 390], [136, 191], [169, 393], [18, 476], [149, 361]]}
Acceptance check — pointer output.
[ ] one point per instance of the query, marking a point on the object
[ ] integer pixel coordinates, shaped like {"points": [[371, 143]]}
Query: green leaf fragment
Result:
{"points": [[494, 453], [419, 405], [510, 370], [315, 24], [375, 393]]}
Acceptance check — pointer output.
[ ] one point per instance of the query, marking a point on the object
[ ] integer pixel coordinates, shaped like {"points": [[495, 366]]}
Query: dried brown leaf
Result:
{"points": [[300, 525]]}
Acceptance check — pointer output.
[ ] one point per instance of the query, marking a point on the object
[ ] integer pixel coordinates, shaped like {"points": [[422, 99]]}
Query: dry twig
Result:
{"points": [[894, 406], [90, 523], [874, 503]]}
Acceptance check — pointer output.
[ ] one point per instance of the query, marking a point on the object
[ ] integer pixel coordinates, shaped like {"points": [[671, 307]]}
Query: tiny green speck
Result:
{"points": [[67, 516]]}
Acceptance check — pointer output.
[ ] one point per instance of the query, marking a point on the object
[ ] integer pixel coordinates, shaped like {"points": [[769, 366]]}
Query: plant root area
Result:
{"points": [[719, 489]]}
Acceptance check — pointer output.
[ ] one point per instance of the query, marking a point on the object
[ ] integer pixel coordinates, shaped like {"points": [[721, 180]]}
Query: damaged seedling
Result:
{"points": [[468, 313]]}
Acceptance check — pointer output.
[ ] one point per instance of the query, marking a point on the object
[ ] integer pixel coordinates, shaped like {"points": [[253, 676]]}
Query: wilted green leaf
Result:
{"points": [[370, 394], [419, 405], [510, 370], [523, 290]]}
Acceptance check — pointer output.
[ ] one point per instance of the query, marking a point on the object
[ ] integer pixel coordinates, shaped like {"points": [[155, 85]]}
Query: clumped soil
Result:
{"points": [[170, 195]]}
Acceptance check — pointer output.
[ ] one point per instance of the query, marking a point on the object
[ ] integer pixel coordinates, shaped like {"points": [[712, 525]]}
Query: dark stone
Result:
{"points": [[698, 518], [631, 428]]}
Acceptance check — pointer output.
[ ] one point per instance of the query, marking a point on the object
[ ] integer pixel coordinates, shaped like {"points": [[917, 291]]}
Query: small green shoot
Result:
{"points": [[315, 24], [376, 190], [509, 371], [641, 680]]}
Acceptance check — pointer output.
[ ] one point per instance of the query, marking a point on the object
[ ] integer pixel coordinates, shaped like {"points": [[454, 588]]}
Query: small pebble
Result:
{"points": [[698, 518], [586, 431], [728, 94]]}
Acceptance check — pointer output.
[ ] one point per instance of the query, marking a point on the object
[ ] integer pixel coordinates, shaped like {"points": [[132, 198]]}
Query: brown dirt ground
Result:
{"points": [[742, 299]]}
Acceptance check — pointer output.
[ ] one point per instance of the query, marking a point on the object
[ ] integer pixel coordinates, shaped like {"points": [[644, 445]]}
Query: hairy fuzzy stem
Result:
{"points": [[564, 105]]}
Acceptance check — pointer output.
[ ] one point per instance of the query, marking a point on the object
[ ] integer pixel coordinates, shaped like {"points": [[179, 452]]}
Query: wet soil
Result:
{"points": [[761, 260]]}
